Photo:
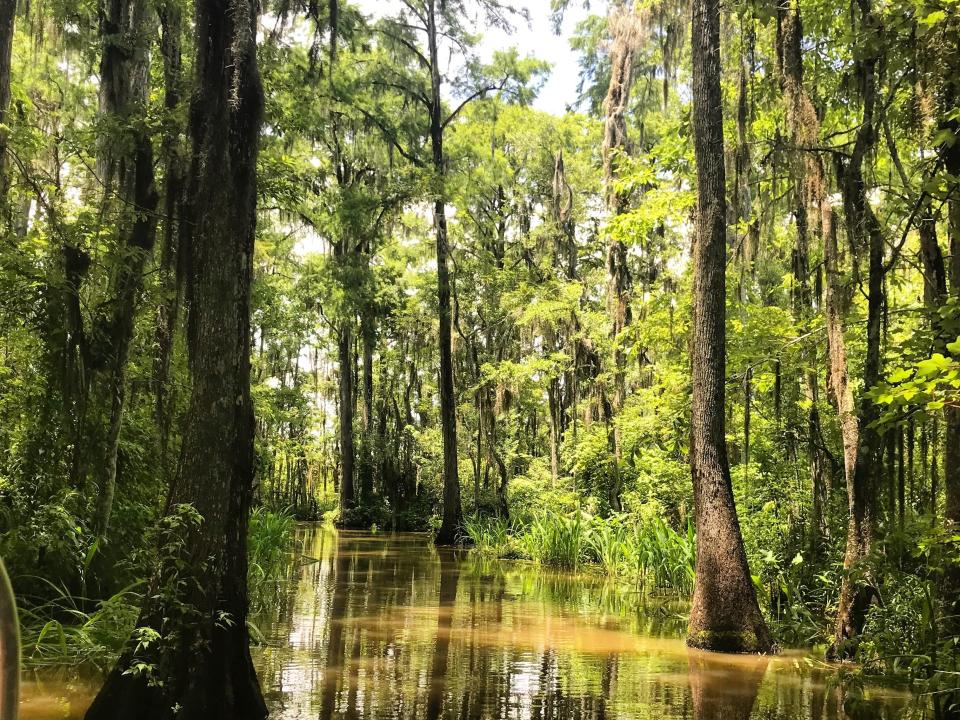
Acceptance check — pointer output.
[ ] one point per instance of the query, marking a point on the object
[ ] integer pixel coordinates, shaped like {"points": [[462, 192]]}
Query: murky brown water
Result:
{"points": [[388, 627]]}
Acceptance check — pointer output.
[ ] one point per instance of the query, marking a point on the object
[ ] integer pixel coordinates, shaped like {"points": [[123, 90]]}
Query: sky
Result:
{"points": [[538, 40]]}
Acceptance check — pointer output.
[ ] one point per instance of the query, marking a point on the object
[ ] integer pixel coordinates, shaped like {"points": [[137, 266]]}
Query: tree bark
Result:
{"points": [[452, 524], [862, 484], [626, 25], [724, 615], [348, 498], [124, 88], [198, 600], [8, 11]]}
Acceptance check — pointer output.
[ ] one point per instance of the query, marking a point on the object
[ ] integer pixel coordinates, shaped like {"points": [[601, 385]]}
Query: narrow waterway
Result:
{"points": [[386, 626]]}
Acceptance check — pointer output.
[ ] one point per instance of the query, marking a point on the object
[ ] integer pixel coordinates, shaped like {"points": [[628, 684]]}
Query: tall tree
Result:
{"points": [[418, 33], [863, 230], [627, 29], [127, 170], [724, 615], [813, 212], [8, 12], [197, 654]]}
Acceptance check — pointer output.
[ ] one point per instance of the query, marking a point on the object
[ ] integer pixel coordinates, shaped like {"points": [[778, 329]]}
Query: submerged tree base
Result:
{"points": [[744, 642]]}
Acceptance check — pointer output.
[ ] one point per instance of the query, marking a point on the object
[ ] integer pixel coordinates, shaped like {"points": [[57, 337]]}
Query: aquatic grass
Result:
{"points": [[662, 558], [269, 540], [649, 552], [557, 540], [61, 631], [490, 537], [608, 544]]}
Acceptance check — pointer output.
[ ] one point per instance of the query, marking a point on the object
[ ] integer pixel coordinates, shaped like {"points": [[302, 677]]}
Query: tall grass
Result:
{"points": [[61, 632], [650, 552], [269, 545], [661, 558], [557, 540], [490, 537], [269, 541]]}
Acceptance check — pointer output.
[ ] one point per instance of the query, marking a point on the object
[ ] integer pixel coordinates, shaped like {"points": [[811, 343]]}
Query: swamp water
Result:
{"points": [[386, 626]]}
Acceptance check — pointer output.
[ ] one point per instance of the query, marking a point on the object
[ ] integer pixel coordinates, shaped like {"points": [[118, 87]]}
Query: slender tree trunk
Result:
{"points": [[452, 524], [124, 88], [724, 614], [348, 499], [171, 259], [626, 25], [366, 444], [198, 599], [9, 648], [804, 128], [8, 11], [951, 456], [862, 484]]}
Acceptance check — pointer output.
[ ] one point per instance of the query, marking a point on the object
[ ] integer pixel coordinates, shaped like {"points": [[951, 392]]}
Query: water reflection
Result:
{"points": [[388, 627]]}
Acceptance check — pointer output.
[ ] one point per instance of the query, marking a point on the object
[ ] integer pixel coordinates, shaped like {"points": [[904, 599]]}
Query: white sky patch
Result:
{"points": [[537, 40]]}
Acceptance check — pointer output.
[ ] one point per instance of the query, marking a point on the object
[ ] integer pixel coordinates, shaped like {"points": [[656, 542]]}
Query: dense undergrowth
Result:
{"points": [[67, 628]]}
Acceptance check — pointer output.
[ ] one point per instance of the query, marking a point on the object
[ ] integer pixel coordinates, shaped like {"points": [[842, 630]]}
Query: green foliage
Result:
{"points": [[269, 542], [60, 631], [557, 540], [647, 552]]}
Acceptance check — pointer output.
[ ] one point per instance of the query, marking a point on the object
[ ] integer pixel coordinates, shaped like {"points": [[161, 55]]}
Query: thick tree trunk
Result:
{"points": [[452, 525], [724, 615], [201, 666]]}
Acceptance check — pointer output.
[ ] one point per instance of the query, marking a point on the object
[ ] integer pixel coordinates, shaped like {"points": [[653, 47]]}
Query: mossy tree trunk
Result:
{"points": [[126, 160], [863, 230]]}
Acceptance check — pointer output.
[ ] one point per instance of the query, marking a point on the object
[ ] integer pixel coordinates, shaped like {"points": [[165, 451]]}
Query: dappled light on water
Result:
{"points": [[389, 627], [381, 626]]}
